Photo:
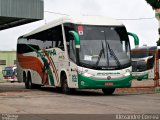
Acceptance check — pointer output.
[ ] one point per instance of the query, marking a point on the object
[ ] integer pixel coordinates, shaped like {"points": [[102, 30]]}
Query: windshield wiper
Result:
{"points": [[114, 55], [100, 55]]}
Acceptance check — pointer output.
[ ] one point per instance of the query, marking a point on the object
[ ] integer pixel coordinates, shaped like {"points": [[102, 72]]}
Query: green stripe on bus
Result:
{"points": [[91, 83], [56, 74], [51, 78], [143, 77]]}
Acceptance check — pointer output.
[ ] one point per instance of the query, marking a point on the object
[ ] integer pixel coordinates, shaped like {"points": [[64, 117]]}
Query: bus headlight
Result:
{"points": [[87, 74], [146, 61], [127, 72]]}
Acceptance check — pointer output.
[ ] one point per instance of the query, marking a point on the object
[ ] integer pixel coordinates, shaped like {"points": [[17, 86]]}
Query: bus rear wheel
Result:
{"points": [[108, 91], [28, 82]]}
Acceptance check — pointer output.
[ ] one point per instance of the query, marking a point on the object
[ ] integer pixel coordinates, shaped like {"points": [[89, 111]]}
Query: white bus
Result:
{"points": [[85, 52], [143, 62]]}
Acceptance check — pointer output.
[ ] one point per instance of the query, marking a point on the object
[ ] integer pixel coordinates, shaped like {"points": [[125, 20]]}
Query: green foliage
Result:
{"points": [[154, 3], [158, 42]]}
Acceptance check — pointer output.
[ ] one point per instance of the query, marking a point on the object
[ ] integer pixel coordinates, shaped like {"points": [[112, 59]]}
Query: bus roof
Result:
{"points": [[11, 66], [85, 20]]}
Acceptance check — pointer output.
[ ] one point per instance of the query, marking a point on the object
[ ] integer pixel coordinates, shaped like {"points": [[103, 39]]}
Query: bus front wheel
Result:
{"points": [[108, 91], [65, 88], [139, 79]]}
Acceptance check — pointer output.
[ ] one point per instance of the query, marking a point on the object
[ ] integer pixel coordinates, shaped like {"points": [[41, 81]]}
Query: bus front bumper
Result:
{"points": [[140, 76], [91, 83]]}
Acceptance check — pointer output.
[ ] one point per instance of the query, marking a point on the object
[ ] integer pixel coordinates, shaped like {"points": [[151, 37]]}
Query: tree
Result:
{"points": [[156, 6], [154, 3], [158, 42]]}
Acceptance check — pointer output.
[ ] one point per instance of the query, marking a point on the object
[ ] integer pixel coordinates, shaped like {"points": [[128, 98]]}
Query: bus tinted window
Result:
{"points": [[70, 41], [43, 40], [22, 48], [139, 54]]}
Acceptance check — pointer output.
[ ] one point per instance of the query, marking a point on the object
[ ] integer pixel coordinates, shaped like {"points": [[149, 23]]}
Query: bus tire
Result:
{"points": [[64, 85], [65, 88], [28, 83], [139, 79], [108, 91], [25, 80]]}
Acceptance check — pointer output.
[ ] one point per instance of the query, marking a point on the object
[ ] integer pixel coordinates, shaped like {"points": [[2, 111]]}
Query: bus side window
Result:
{"points": [[60, 45], [57, 37], [72, 51], [70, 41]]}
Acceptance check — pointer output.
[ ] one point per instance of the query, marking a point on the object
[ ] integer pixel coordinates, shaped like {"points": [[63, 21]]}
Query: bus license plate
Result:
{"points": [[109, 84]]}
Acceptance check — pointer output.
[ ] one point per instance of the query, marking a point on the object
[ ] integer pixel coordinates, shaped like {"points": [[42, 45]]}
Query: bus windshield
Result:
{"points": [[139, 55], [142, 58], [104, 47]]}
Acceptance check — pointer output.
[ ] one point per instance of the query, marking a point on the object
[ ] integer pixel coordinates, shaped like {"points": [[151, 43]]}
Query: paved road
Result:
{"points": [[14, 98]]}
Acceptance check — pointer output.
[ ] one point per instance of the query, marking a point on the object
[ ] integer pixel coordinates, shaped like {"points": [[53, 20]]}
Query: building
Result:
{"points": [[14, 13], [18, 12], [7, 58]]}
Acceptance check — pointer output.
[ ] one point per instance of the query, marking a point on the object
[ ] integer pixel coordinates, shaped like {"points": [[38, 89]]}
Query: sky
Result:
{"points": [[129, 12]]}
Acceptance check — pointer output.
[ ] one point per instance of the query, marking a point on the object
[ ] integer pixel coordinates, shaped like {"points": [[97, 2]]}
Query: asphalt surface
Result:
{"points": [[15, 99]]}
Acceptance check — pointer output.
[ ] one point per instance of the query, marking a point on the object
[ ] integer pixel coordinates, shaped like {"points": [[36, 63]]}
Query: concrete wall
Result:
{"points": [[18, 12], [10, 57], [32, 9]]}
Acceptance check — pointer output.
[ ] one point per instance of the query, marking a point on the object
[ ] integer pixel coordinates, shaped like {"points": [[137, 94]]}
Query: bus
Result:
{"points": [[87, 52], [143, 62], [10, 73]]}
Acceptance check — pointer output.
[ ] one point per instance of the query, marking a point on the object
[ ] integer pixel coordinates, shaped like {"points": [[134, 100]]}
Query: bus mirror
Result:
{"points": [[136, 39], [76, 38]]}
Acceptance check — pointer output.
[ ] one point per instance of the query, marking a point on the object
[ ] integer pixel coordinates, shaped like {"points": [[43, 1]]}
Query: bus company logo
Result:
{"points": [[74, 78], [49, 52], [108, 73], [61, 56], [108, 77]]}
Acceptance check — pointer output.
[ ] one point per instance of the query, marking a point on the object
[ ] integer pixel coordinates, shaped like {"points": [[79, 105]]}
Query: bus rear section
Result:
{"points": [[143, 59], [76, 53], [10, 73]]}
